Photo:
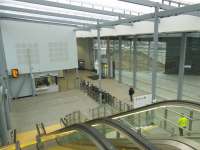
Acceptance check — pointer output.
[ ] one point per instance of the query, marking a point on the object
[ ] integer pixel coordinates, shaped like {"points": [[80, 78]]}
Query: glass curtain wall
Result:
{"points": [[191, 84], [166, 87], [116, 58], [144, 75], [127, 75], [168, 58]]}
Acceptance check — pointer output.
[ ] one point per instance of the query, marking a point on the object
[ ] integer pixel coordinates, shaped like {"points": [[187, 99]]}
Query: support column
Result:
{"points": [[130, 54], [31, 74], [181, 66], [120, 59], [149, 55], [94, 53], [135, 63], [114, 59], [155, 54], [3, 122], [99, 62], [91, 53], [4, 78], [5, 97], [111, 62], [108, 57]]}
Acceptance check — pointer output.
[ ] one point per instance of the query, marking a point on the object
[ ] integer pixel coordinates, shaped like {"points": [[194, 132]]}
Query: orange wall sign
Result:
{"points": [[15, 73]]}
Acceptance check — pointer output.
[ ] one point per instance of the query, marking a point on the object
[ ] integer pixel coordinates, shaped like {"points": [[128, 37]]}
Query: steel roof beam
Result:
{"points": [[161, 14], [75, 7], [40, 21], [39, 12], [149, 3], [26, 17], [174, 2]]}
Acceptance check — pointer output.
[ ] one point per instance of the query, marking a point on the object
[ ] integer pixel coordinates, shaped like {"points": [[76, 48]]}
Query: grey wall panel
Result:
{"points": [[21, 86], [173, 55]]}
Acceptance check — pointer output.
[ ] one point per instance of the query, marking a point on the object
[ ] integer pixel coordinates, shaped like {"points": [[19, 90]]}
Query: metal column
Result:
{"points": [[99, 62], [114, 59], [120, 59], [135, 62], [149, 55], [130, 56], [31, 73], [108, 57], [181, 67], [3, 122], [155, 54], [4, 78]]}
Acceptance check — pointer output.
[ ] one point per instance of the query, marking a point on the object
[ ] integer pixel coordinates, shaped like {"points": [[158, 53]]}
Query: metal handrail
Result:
{"points": [[173, 123], [134, 137], [180, 114], [163, 104]]}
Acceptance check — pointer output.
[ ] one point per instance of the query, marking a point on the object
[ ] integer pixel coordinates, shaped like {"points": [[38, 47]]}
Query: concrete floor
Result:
{"points": [[119, 90], [48, 108], [166, 85]]}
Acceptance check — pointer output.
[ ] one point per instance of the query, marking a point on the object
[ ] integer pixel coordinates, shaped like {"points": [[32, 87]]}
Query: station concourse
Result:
{"points": [[67, 66]]}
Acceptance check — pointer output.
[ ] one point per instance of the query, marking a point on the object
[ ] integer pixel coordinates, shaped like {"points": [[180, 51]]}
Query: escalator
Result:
{"points": [[159, 124], [153, 127]]}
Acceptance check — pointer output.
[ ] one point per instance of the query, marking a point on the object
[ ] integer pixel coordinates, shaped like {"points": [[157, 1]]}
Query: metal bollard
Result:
{"points": [[17, 145], [39, 144], [120, 106], [70, 119], [128, 107], [74, 117], [92, 113], [104, 111], [79, 116], [125, 107], [98, 113]]}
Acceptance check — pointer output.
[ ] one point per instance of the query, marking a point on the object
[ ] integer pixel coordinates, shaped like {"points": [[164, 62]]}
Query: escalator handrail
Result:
{"points": [[183, 103], [134, 136], [96, 135], [191, 144], [93, 133]]}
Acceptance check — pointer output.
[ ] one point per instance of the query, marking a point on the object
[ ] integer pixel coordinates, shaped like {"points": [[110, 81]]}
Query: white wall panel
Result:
{"points": [[179, 23], [45, 47]]}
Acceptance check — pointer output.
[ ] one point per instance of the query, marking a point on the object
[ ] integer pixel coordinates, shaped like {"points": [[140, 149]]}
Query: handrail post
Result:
{"points": [[165, 116], [79, 116], [139, 120], [104, 110], [147, 118], [190, 121]]}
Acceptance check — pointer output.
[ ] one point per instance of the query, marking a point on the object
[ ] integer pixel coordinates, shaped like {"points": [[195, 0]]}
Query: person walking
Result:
{"points": [[131, 92], [182, 123]]}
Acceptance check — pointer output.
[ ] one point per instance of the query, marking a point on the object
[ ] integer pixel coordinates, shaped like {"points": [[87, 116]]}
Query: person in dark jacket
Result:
{"points": [[131, 92]]}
